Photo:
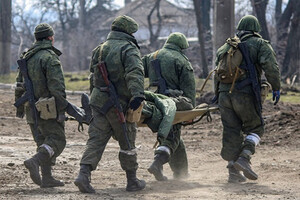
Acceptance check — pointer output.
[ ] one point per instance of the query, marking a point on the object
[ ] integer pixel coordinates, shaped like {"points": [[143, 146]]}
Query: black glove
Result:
{"points": [[135, 103]]}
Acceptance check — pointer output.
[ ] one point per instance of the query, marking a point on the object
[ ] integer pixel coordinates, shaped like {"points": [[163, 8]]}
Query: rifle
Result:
{"points": [[250, 67], [29, 94], [113, 100], [161, 83]]}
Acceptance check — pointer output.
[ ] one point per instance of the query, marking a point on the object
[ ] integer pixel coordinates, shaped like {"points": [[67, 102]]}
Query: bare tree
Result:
{"points": [[287, 26], [291, 60], [5, 36], [154, 34], [197, 7], [259, 7]]}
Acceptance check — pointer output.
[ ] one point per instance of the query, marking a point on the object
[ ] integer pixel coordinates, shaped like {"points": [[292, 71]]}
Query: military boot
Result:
{"points": [[133, 183], [47, 178], [33, 165], [243, 164], [234, 175], [156, 168], [83, 179]]}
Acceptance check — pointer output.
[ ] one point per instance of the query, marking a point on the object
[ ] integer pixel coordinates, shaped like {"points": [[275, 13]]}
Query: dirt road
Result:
{"points": [[277, 161]]}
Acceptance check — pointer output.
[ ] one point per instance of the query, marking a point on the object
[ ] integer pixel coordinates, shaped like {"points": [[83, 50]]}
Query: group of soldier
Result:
{"points": [[118, 62]]}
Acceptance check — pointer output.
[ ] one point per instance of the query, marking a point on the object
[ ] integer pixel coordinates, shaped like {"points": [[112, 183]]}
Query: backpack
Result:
{"points": [[230, 58]]}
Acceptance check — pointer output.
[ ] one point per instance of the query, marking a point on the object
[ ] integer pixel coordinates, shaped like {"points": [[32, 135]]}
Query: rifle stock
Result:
{"points": [[115, 99], [29, 94], [250, 67]]}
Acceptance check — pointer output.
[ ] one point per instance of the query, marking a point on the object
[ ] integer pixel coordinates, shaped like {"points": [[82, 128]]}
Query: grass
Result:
{"points": [[78, 81]]}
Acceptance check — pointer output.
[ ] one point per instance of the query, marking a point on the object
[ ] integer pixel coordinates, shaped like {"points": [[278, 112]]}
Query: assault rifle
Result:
{"points": [[161, 83], [250, 67], [113, 100], [29, 94]]}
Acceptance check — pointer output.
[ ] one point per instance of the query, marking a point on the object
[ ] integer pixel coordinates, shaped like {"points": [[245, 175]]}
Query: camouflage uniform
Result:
{"points": [[125, 70], [177, 71], [239, 111], [45, 72]]}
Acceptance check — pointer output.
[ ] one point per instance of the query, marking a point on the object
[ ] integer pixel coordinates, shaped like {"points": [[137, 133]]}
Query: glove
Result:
{"points": [[135, 103], [61, 118], [276, 96], [20, 112]]}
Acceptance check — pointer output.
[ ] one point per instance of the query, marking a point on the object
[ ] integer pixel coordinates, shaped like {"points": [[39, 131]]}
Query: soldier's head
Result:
{"points": [[178, 39], [44, 31], [125, 24], [249, 23]]}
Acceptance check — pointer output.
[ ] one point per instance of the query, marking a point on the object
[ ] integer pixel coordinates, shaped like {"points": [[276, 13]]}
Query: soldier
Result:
{"points": [[121, 55], [45, 72], [240, 112], [173, 77]]}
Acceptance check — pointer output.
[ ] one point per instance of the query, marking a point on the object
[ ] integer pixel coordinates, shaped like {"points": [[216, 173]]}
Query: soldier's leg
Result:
{"points": [[178, 159], [99, 134], [127, 157], [232, 140], [253, 127], [163, 152], [179, 162], [53, 144]]}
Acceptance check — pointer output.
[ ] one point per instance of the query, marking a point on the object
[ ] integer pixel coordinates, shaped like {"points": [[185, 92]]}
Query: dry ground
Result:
{"points": [[277, 161]]}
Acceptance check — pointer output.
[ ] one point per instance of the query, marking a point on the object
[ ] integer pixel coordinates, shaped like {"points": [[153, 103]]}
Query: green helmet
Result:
{"points": [[43, 30], [125, 23], [249, 23], [178, 39]]}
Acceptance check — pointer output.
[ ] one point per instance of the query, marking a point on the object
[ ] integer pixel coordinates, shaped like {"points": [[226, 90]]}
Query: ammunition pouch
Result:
{"points": [[47, 108]]}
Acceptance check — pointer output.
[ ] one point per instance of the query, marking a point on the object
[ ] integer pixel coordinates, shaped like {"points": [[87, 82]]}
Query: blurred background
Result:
{"points": [[80, 25]]}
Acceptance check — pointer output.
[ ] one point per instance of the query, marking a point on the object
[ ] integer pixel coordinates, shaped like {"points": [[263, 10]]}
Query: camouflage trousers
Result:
{"points": [[240, 116], [52, 133], [101, 129], [178, 158]]}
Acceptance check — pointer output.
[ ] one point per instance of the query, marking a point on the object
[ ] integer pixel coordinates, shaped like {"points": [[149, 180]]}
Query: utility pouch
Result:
{"points": [[47, 108], [134, 115], [264, 91]]}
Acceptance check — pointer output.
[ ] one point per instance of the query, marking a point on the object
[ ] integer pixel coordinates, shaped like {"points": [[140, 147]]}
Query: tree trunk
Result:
{"points": [[197, 7], [5, 36], [291, 60], [154, 35], [282, 29], [260, 10]]}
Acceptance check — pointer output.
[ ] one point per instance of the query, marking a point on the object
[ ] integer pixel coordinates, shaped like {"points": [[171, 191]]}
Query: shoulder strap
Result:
{"points": [[155, 54]]}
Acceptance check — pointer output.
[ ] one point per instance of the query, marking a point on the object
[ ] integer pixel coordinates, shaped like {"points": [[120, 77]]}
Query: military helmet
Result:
{"points": [[249, 23], [178, 39], [43, 30], [125, 23]]}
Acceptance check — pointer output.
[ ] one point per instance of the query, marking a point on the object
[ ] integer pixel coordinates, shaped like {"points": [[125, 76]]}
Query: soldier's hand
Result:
{"points": [[61, 118], [135, 103], [20, 112], [276, 96]]}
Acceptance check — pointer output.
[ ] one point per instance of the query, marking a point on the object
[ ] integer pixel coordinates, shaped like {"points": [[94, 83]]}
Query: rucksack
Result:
{"points": [[230, 59]]}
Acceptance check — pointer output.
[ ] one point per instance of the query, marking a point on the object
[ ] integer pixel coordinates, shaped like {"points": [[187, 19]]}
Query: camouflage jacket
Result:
{"points": [[263, 57], [175, 69], [159, 112], [46, 74], [124, 66]]}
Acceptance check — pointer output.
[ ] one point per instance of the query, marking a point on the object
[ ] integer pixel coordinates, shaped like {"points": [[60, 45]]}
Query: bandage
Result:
{"points": [[48, 148], [254, 138], [164, 148], [131, 152]]}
